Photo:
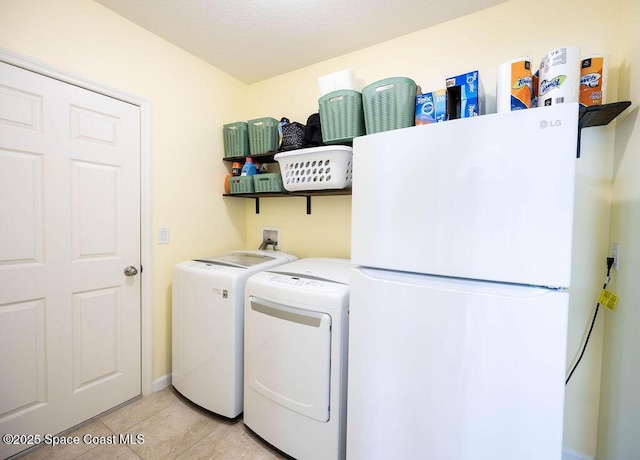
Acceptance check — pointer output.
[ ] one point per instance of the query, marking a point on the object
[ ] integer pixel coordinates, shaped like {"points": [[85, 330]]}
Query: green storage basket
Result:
{"points": [[389, 104], [263, 135], [241, 184], [269, 182], [236, 139], [341, 116]]}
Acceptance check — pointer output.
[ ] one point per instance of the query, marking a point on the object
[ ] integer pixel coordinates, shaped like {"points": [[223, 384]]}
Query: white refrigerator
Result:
{"points": [[458, 314]]}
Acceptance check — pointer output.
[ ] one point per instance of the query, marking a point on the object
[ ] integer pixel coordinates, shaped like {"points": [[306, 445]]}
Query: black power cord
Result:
{"points": [[610, 261]]}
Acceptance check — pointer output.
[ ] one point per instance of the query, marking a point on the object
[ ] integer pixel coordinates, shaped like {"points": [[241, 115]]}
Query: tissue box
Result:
{"points": [[465, 96], [431, 107]]}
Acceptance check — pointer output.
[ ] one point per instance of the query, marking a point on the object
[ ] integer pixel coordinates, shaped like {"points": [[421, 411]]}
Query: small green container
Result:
{"points": [[241, 184], [236, 139], [269, 182], [263, 135], [389, 104], [341, 116]]}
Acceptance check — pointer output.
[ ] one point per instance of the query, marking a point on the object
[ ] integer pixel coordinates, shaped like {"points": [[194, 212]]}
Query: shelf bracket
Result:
{"points": [[579, 141], [307, 195], [599, 115]]}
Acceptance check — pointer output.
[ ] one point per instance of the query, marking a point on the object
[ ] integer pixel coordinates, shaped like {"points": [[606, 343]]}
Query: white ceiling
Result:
{"points": [[253, 40]]}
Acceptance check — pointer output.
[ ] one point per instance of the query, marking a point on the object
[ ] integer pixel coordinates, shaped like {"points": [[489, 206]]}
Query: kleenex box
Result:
{"points": [[431, 107], [465, 96]]}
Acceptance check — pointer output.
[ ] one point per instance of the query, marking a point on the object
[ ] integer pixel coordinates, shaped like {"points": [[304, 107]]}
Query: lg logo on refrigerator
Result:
{"points": [[550, 124]]}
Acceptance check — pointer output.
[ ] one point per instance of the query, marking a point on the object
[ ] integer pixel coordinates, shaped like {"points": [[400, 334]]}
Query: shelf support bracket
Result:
{"points": [[257, 205], [308, 205], [599, 115], [579, 141]]}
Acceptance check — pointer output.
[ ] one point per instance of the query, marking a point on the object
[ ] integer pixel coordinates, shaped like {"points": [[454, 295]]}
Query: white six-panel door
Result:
{"points": [[69, 226]]}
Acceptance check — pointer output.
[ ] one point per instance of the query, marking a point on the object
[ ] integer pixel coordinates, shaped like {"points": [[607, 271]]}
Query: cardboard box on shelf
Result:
{"points": [[431, 107], [465, 96]]}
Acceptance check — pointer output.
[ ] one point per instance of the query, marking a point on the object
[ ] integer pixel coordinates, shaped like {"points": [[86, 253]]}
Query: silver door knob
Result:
{"points": [[131, 271]]}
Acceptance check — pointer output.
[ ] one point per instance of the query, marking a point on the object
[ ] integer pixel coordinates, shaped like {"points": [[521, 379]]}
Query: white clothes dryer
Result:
{"points": [[296, 337], [208, 326]]}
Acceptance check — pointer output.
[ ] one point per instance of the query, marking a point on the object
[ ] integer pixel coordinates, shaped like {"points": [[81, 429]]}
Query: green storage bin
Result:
{"points": [[269, 182], [241, 184], [341, 116], [389, 104], [236, 139], [263, 135]]}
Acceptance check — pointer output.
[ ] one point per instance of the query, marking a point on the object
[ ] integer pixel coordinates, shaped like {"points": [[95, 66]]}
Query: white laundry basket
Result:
{"points": [[317, 168]]}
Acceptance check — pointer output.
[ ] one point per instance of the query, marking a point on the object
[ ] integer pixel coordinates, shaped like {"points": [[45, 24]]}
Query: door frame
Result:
{"points": [[146, 318]]}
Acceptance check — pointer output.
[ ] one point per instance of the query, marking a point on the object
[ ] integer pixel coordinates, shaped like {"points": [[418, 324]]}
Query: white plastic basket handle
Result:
{"points": [[385, 87], [336, 99], [258, 123]]}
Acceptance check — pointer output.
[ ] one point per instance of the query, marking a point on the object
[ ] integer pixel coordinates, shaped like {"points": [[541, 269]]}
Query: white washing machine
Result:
{"points": [[296, 336], [208, 326]]}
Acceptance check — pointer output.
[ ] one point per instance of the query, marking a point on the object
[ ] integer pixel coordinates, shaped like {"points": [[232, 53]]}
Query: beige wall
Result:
{"points": [[619, 428], [190, 102], [480, 41]]}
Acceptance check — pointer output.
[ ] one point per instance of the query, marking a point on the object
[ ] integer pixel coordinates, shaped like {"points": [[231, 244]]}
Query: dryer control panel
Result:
{"points": [[296, 281]]}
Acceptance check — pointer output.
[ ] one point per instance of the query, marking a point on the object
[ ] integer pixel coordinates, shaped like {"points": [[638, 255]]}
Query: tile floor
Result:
{"points": [[173, 428]]}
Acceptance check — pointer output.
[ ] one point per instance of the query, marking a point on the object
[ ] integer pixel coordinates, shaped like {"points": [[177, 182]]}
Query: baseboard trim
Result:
{"points": [[573, 455], [165, 381]]}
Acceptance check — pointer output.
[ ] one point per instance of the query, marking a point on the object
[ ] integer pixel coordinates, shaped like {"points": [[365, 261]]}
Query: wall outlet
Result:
{"points": [[615, 253]]}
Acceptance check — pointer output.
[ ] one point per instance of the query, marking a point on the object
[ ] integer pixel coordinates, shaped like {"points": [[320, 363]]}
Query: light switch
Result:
{"points": [[163, 235]]}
